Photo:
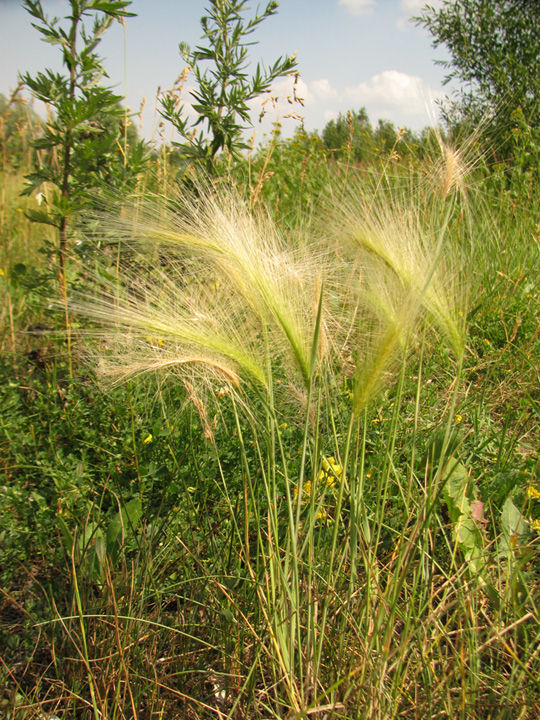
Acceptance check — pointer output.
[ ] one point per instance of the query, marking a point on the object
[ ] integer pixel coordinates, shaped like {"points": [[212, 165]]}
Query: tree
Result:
{"points": [[495, 54], [353, 137], [223, 90], [350, 135], [84, 131], [78, 151]]}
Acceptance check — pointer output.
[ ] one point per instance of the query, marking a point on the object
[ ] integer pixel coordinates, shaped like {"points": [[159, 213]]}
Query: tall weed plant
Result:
{"points": [[348, 571]]}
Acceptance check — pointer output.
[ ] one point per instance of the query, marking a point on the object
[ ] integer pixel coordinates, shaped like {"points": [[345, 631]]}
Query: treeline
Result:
{"points": [[351, 136]]}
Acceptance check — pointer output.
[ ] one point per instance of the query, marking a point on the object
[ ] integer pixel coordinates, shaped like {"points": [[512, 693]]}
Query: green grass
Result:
{"points": [[321, 500]]}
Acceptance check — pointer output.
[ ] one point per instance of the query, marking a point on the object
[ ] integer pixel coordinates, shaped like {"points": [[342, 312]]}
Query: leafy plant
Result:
{"points": [[494, 54], [222, 92], [466, 512], [79, 148]]}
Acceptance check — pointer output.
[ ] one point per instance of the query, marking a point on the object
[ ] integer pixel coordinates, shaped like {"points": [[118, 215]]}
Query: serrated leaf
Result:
{"points": [[41, 216]]}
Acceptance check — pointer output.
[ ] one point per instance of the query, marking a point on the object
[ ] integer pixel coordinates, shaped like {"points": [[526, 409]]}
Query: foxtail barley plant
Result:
{"points": [[351, 596]]}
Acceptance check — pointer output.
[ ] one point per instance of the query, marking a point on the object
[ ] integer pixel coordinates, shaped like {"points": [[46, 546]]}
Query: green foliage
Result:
{"points": [[494, 47], [223, 91], [82, 144], [301, 186], [352, 137], [521, 178]]}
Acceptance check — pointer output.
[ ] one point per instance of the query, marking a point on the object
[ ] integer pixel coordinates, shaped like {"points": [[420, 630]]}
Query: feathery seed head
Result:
{"points": [[406, 274], [217, 285], [201, 286]]}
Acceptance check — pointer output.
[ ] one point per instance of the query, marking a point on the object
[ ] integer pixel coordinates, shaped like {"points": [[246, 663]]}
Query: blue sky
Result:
{"points": [[351, 53]]}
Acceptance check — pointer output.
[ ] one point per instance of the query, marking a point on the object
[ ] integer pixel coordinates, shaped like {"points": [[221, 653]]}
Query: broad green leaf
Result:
{"points": [[456, 491], [514, 527]]}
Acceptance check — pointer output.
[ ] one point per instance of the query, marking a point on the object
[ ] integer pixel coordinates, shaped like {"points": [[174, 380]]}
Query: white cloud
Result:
{"points": [[412, 8], [391, 94], [358, 7], [393, 89], [322, 90]]}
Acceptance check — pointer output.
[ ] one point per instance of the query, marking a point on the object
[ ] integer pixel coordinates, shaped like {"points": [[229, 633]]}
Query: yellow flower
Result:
{"points": [[331, 464], [458, 419], [533, 493], [154, 341], [306, 489], [331, 471], [148, 439], [536, 525]]}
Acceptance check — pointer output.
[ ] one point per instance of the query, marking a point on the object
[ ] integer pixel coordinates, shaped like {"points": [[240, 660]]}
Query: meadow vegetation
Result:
{"points": [[270, 427]]}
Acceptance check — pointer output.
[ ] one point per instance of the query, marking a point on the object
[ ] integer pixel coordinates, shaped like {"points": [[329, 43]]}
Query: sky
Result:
{"points": [[350, 53]]}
